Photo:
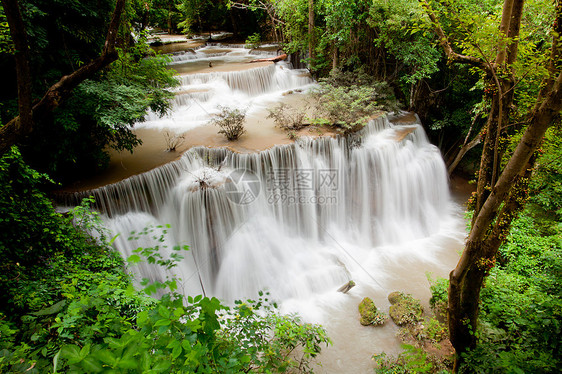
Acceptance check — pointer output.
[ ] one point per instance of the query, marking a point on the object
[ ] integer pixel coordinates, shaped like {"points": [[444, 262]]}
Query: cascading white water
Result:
{"points": [[248, 88], [299, 220], [367, 191]]}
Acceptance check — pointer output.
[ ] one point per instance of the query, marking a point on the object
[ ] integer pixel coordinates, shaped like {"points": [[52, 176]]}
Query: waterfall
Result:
{"points": [[200, 94], [296, 219], [252, 82]]}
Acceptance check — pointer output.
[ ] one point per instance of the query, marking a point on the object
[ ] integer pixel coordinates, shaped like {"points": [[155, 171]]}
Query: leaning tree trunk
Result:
{"points": [[497, 188]]}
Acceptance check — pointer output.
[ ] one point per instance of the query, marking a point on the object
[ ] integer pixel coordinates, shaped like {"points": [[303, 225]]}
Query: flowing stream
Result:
{"points": [[299, 220]]}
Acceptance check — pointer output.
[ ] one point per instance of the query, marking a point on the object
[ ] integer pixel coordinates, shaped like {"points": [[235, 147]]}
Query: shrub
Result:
{"points": [[439, 300], [287, 118], [348, 100], [173, 141], [231, 122], [253, 41]]}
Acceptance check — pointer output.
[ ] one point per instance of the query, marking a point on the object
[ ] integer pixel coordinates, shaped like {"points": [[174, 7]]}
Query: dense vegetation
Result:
{"points": [[69, 305], [521, 303], [68, 302]]}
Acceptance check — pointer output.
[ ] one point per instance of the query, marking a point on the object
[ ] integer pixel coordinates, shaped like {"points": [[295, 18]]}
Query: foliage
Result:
{"points": [[546, 186], [412, 360], [439, 295], [522, 305], [202, 335], [202, 15], [348, 100], [253, 41], [51, 266], [100, 114], [6, 44], [230, 121], [401, 30], [434, 331], [287, 118]]}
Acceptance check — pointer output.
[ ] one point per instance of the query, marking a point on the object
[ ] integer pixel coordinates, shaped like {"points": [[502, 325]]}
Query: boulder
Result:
{"points": [[395, 297], [404, 309], [369, 313]]}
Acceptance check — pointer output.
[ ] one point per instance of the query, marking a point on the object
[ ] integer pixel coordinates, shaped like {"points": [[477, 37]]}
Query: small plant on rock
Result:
{"points": [[231, 122]]}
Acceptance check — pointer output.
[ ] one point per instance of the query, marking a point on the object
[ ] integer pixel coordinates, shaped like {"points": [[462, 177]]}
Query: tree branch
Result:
{"points": [[15, 130], [446, 45]]}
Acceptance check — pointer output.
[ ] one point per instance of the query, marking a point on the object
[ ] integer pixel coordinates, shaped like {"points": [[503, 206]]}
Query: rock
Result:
{"points": [[395, 297], [369, 313], [404, 309]]}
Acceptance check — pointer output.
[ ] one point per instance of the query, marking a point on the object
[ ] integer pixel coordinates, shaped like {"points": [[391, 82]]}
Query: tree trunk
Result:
{"points": [[170, 18], [24, 124], [335, 56], [497, 188], [311, 41], [459, 156], [17, 128]]}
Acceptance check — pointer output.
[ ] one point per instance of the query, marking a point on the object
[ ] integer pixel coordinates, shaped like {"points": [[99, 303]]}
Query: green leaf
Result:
{"points": [[134, 259], [176, 351], [162, 366], [53, 309], [142, 317], [163, 311], [91, 365], [163, 322], [56, 362], [71, 352], [106, 356]]}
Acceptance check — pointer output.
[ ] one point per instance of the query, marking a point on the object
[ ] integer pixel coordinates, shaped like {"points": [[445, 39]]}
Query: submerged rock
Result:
{"points": [[404, 309], [370, 315]]}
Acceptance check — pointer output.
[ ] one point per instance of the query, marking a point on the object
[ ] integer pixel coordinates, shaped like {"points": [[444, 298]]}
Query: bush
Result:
{"points": [[348, 100], [253, 41], [439, 300], [287, 118], [173, 141], [231, 122]]}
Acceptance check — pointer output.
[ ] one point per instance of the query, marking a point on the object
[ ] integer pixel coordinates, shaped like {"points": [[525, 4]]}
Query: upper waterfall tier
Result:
{"points": [[215, 76]]}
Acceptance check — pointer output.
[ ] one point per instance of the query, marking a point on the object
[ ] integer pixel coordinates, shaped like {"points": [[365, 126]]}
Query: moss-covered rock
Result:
{"points": [[370, 315], [395, 297], [404, 309]]}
